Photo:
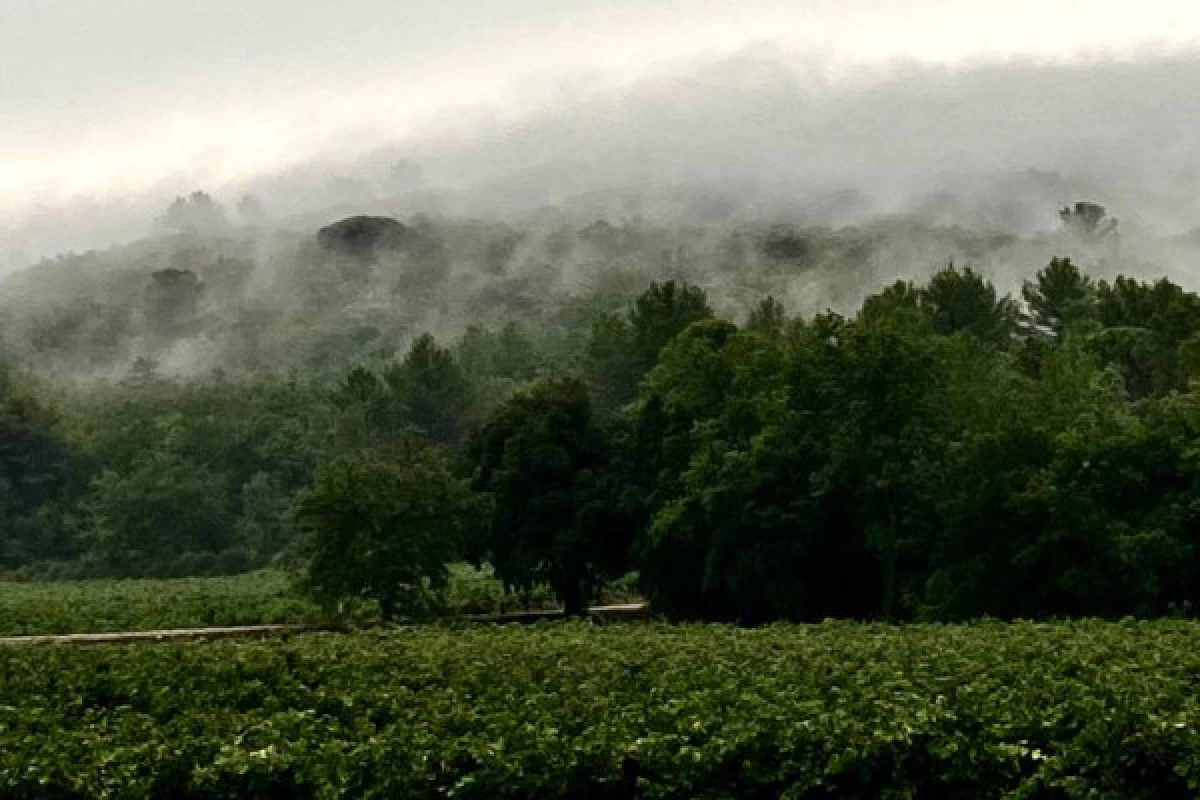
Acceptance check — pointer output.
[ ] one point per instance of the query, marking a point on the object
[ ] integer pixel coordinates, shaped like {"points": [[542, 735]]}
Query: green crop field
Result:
{"points": [[1081, 709], [254, 598], [123, 605]]}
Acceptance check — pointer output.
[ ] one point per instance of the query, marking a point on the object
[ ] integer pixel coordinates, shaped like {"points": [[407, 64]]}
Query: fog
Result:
{"points": [[547, 162], [987, 115]]}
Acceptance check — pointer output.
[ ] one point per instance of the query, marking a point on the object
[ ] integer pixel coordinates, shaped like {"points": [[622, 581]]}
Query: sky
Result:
{"points": [[101, 99]]}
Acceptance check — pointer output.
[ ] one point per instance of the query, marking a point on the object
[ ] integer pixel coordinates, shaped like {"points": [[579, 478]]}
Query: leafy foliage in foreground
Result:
{"points": [[1084, 709]]}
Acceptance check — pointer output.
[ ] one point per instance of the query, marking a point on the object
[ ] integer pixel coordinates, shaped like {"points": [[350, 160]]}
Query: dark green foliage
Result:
{"points": [[31, 460], [542, 458], [1030, 525], [262, 527], [363, 236], [661, 313], [165, 504], [161, 471], [966, 301], [624, 347], [34, 473], [369, 415], [507, 354], [1066, 710], [433, 392], [1163, 307], [90, 332], [741, 524], [1061, 297], [1144, 327], [613, 366], [871, 467], [426, 392], [942, 453], [384, 530], [884, 379], [789, 471], [768, 317]]}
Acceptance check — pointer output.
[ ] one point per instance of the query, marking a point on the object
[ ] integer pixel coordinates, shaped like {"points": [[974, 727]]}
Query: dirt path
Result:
{"points": [[623, 611], [614, 612], [178, 634]]}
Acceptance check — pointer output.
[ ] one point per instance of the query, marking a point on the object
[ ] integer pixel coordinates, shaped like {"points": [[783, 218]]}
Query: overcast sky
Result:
{"points": [[99, 90], [110, 96]]}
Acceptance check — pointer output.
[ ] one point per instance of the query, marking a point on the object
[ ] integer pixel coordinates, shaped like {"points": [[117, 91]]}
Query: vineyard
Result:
{"points": [[1082, 709], [257, 598], [126, 605]]}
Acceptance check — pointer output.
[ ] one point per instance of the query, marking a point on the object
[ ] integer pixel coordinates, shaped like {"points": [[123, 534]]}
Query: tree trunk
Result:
{"points": [[574, 598], [891, 566], [387, 606], [627, 789]]}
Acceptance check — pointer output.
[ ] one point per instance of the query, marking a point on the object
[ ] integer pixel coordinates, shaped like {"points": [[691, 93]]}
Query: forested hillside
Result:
{"points": [[759, 420]]}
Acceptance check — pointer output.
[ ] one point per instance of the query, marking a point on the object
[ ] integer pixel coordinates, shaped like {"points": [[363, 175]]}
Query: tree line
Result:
{"points": [[943, 453]]}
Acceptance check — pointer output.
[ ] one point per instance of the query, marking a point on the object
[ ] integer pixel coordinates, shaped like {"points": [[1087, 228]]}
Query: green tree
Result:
{"points": [[384, 530], [543, 458], [432, 391], [35, 469], [1163, 307], [623, 348], [768, 317], [1088, 220], [1060, 297], [732, 532], [661, 313], [1145, 328], [902, 297], [507, 354], [162, 506], [368, 414], [884, 381], [262, 526], [611, 363], [963, 300], [1029, 502]]}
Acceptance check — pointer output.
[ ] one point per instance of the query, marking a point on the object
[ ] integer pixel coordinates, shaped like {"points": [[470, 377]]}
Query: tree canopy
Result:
{"points": [[415, 393]]}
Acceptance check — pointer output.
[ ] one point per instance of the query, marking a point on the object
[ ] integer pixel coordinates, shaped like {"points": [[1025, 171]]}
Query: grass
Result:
{"points": [[96, 606], [256, 598]]}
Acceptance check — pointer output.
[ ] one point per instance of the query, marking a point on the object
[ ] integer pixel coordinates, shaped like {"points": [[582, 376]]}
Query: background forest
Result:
{"points": [[757, 419]]}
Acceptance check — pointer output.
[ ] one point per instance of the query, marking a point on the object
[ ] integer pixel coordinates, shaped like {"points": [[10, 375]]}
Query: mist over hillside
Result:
{"points": [[764, 134], [813, 180], [839, 308]]}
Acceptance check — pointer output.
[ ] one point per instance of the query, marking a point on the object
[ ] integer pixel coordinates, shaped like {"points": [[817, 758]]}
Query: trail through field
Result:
{"points": [[177, 634], [623, 611]]}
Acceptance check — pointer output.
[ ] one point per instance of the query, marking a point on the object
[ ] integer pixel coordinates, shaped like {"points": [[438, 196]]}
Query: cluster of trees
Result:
{"points": [[943, 452], [154, 478], [229, 289]]}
